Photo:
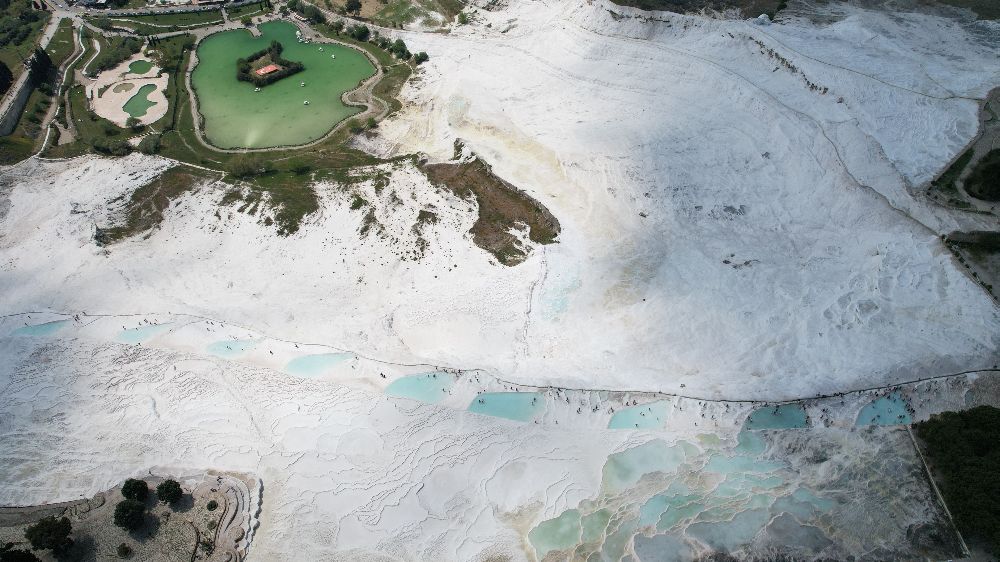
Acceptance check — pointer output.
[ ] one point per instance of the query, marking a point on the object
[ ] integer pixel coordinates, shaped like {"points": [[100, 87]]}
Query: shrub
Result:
{"points": [[169, 491], [112, 147], [17, 556], [212, 505], [371, 123], [462, 18], [359, 32], [129, 514], [355, 127], [124, 550], [50, 533], [352, 6], [135, 489], [246, 21], [337, 26], [150, 144], [244, 166], [420, 57]]}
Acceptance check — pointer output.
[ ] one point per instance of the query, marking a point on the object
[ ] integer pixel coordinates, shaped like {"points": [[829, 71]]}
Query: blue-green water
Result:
{"points": [[315, 365], [556, 534], [888, 410], [425, 387], [786, 416], [142, 333], [623, 470], [46, 329], [645, 416], [520, 406], [230, 348]]}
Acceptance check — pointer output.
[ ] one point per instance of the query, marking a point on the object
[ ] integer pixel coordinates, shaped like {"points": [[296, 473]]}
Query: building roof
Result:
{"points": [[267, 69]]}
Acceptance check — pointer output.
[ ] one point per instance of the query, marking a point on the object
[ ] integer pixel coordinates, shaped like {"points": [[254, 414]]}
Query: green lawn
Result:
{"points": [[246, 10], [61, 46], [179, 19]]}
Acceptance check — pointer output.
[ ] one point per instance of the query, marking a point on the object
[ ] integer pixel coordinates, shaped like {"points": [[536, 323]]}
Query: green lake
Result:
{"points": [[236, 116], [137, 105]]}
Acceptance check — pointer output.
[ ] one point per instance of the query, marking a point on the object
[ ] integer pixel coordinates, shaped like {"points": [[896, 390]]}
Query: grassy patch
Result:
{"points": [[205, 17], [145, 208], [964, 451], [13, 149], [502, 207], [61, 46], [247, 10], [984, 180]]}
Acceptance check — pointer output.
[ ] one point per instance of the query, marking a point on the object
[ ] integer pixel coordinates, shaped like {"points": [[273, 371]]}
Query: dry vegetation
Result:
{"points": [[145, 207], [503, 209]]}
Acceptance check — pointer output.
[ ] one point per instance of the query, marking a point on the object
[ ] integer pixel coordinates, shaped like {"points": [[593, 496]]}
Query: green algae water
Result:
{"points": [[137, 105], [236, 116]]}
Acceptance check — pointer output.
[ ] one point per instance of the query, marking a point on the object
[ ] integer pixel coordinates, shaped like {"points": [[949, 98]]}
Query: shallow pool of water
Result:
{"points": [[137, 105], [140, 66], [623, 470], [425, 387], [45, 329], [645, 416], [315, 365], [520, 406], [142, 333], [556, 534], [786, 416], [888, 410], [230, 348], [238, 116]]}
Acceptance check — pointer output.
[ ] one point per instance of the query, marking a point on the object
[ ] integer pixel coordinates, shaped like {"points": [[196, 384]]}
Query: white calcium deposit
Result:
{"points": [[742, 217]]}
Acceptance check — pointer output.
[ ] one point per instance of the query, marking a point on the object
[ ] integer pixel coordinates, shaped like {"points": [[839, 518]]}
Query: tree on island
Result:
{"points": [[135, 489], [352, 6], [169, 491], [129, 514], [17, 556], [50, 533]]}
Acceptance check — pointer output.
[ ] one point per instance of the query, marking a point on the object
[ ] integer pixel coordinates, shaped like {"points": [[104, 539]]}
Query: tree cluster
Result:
{"points": [[308, 11], [244, 67], [964, 449], [16, 25], [119, 49], [50, 533]]}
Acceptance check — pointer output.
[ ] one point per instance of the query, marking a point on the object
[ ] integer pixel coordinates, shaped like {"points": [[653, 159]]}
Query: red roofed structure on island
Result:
{"points": [[267, 69]]}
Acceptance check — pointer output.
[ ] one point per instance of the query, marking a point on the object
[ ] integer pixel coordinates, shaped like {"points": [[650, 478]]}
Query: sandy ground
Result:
{"points": [[110, 104]]}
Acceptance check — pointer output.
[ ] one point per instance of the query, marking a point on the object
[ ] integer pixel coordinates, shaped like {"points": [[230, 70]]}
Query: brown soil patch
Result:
{"points": [[502, 208], [144, 209]]}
